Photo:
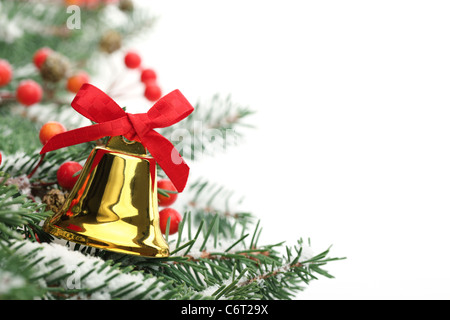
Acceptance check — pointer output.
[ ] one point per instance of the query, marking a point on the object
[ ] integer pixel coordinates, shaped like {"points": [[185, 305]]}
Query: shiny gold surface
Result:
{"points": [[114, 204]]}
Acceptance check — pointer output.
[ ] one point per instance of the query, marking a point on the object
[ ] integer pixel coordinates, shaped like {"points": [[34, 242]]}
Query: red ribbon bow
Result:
{"points": [[111, 120]]}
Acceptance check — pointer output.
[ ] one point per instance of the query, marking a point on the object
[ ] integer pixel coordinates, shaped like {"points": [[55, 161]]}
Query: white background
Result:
{"points": [[352, 141]]}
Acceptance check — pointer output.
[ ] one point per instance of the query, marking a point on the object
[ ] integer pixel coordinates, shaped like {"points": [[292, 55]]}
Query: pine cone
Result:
{"points": [[126, 5], [54, 68], [54, 199], [111, 41]]}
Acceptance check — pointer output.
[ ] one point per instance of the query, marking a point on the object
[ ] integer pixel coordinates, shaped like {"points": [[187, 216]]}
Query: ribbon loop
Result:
{"points": [[112, 120]]}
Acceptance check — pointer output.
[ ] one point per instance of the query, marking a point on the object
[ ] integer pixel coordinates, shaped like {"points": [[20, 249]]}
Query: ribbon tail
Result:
{"points": [[168, 158]]}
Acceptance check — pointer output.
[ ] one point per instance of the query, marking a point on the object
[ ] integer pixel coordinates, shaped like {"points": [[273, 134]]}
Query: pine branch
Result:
{"points": [[210, 199], [55, 272], [16, 277], [231, 268], [19, 216], [204, 264]]}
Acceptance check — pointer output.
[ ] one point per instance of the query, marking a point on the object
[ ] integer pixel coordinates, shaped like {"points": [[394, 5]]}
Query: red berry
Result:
{"points": [[152, 91], [40, 56], [65, 174], [175, 219], [164, 201], [132, 60], [148, 75], [5, 72], [75, 82], [74, 2], [1, 158], [92, 4], [49, 130], [29, 92]]}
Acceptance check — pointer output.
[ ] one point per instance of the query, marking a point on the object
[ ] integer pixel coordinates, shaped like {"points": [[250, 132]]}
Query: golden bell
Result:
{"points": [[114, 204]]}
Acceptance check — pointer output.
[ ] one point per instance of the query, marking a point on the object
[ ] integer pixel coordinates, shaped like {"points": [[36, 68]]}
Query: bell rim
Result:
{"points": [[75, 237]]}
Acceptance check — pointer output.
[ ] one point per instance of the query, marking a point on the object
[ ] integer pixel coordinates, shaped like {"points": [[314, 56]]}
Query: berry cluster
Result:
{"points": [[53, 67], [148, 77], [166, 198], [28, 92]]}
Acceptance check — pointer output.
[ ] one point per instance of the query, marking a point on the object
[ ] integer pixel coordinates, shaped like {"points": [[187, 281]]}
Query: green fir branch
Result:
{"points": [[20, 217], [208, 199], [263, 272]]}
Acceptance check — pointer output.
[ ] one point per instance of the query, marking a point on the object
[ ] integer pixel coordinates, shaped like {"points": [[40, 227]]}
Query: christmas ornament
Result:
{"points": [[5, 72], [175, 219], [148, 75], [29, 92], [171, 197], [152, 91], [75, 82], [40, 56], [114, 204], [49, 130], [54, 68], [67, 174], [132, 60]]}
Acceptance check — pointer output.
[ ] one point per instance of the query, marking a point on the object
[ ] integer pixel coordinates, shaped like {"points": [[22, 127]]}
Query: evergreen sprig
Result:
{"points": [[211, 200], [230, 264], [20, 217], [242, 273]]}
